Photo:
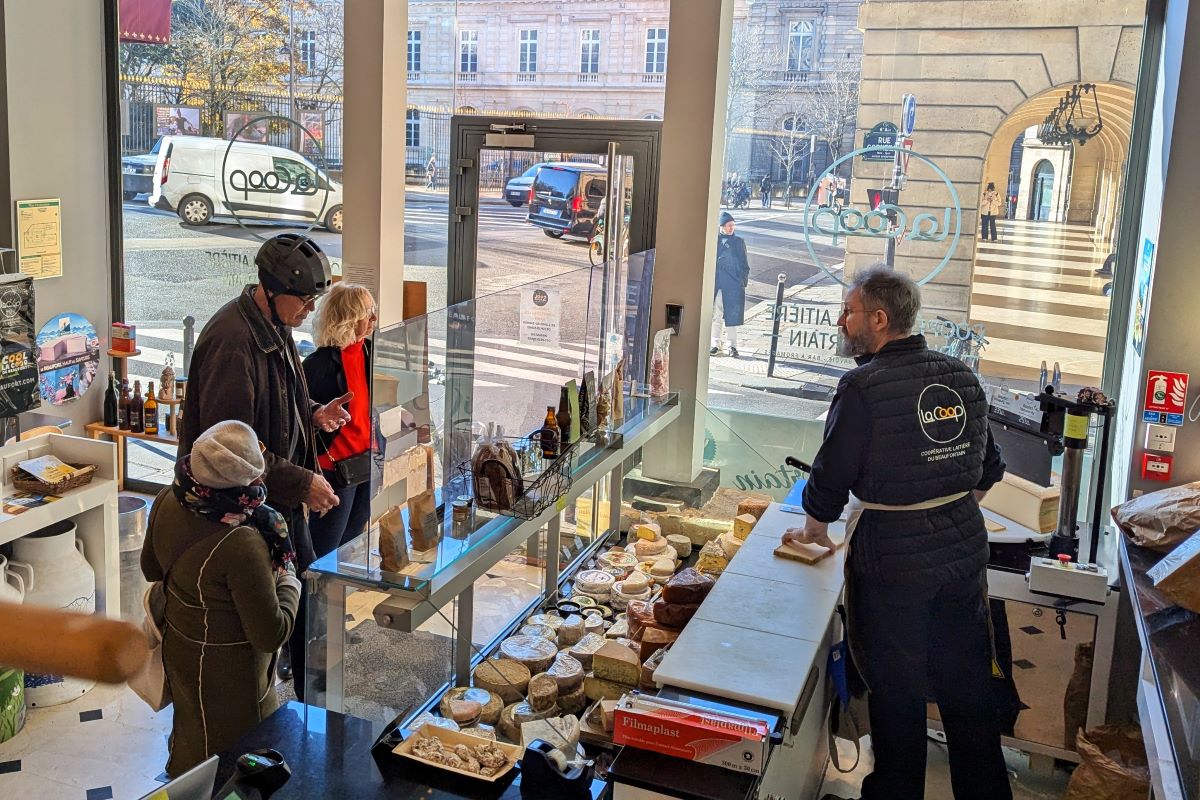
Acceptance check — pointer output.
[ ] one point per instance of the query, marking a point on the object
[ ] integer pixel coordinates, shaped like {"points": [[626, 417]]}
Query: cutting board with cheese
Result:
{"points": [[804, 553]]}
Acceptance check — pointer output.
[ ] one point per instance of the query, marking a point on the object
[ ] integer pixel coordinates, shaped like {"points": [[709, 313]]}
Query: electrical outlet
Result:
{"points": [[1160, 438]]}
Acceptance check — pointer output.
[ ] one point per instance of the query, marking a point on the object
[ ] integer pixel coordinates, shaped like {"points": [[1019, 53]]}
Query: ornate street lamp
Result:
{"points": [[1075, 119]]}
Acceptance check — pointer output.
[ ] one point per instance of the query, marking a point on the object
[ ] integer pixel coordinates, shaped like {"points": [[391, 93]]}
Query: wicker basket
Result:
{"points": [[27, 483]]}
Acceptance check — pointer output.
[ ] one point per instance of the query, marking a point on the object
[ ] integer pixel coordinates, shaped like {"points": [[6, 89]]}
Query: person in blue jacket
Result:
{"points": [[733, 274]]}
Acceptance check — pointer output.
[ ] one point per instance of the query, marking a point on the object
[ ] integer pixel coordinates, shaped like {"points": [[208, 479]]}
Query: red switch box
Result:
{"points": [[1156, 467]]}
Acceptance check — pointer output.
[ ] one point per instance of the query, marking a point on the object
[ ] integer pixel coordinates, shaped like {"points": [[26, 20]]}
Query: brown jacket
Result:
{"points": [[227, 614], [239, 370]]}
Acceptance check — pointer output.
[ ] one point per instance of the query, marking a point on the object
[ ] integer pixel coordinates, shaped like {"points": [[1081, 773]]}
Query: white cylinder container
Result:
{"points": [[62, 578]]}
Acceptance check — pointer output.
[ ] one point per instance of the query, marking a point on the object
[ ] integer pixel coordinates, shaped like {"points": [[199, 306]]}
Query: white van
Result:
{"points": [[258, 181]]}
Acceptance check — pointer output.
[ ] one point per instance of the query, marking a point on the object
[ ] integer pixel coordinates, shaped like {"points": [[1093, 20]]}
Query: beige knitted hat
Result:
{"points": [[227, 455]]}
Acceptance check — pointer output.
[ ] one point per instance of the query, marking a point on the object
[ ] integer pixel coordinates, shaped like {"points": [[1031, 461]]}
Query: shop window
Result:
{"points": [[589, 51], [412, 128], [468, 52], [656, 51], [529, 51], [414, 51]]}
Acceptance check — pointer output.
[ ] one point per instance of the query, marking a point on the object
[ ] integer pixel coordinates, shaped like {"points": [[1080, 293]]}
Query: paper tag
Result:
{"points": [[561, 505]]}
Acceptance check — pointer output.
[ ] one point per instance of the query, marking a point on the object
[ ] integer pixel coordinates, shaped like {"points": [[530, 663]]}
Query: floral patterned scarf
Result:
{"points": [[241, 505]]}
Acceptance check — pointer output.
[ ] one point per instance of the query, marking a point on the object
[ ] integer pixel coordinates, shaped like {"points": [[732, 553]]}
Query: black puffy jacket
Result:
{"points": [[907, 426]]}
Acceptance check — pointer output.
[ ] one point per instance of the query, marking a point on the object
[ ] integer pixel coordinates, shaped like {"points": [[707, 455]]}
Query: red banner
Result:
{"points": [[145, 21]]}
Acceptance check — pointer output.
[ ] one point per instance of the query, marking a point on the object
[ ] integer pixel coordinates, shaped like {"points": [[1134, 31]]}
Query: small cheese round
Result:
{"points": [[636, 583], [545, 631], [567, 671], [594, 581], [573, 702], [571, 631], [663, 568], [490, 703], [535, 652], [617, 559], [550, 620], [465, 712], [583, 601], [643, 547], [543, 691], [681, 543], [503, 677]]}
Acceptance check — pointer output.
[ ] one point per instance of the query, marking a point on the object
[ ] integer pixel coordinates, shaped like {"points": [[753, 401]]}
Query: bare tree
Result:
{"points": [[325, 19], [754, 87], [789, 147], [830, 108]]}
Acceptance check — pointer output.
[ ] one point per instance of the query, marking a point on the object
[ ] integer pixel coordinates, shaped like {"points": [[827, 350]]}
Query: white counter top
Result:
{"points": [[759, 632]]}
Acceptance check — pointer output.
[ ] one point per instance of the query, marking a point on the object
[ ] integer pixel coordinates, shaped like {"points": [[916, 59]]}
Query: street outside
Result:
{"points": [[173, 271]]}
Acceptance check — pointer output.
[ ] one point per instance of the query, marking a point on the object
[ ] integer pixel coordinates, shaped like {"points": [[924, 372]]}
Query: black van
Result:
{"points": [[566, 199]]}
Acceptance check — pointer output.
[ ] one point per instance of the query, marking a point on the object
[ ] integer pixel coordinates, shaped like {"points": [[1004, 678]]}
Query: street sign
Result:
{"points": [[882, 135], [908, 114], [906, 143]]}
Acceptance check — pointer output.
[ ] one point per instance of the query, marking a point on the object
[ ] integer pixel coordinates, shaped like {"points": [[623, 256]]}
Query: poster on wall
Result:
{"points": [[313, 142], [176, 121], [39, 237], [68, 355], [236, 121], [1141, 310], [541, 316], [18, 363]]}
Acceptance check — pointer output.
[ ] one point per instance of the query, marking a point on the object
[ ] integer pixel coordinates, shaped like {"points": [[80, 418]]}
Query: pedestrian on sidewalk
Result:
{"points": [[733, 275], [990, 207], [431, 172], [764, 187]]}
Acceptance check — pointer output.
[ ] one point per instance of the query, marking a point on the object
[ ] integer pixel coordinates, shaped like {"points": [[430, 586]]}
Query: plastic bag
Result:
{"points": [[1112, 765], [1160, 520]]}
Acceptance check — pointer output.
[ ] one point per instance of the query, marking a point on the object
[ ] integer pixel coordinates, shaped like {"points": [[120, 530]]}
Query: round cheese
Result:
{"points": [[545, 631], [566, 671], [636, 583], [507, 726], [465, 712], [543, 691], [535, 652], [593, 623], [571, 631], [617, 559], [504, 678], [490, 702], [553, 621], [583, 601], [682, 544], [649, 547], [593, 582], [524, 712], [663, 568], [573, 702]]}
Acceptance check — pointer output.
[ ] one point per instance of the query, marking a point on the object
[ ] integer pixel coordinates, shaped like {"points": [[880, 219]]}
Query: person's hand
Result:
{"points": [[812, 533], [333, 414], [321, 496]]}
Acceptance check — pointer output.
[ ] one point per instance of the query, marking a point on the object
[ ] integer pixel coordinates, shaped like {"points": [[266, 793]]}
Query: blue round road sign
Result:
{"points": [[908, 114]]}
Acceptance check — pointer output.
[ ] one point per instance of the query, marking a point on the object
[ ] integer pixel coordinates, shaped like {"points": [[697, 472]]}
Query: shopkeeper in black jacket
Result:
{"points": [[342, 365], [908, 435]]}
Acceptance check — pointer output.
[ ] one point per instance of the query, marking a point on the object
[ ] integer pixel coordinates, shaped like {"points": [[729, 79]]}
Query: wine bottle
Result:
{"points": [[564, 417], [150, 412], [111, 418], [123, 407], [549, 435], [136, 420]]}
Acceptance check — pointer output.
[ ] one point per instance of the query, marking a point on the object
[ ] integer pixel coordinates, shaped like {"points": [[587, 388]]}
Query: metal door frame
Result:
{"points": [[639, 139]]}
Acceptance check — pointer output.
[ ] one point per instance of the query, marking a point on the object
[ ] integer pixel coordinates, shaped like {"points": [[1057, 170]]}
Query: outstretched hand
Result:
{"points": [[333, 414]]}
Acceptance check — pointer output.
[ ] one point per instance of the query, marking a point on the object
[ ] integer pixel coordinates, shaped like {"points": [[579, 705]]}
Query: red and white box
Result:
{"points": [[685, 731], [124, 337]]}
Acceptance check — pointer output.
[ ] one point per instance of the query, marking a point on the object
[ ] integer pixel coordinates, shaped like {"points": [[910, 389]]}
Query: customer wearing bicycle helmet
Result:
{"points": [[246, 367]]}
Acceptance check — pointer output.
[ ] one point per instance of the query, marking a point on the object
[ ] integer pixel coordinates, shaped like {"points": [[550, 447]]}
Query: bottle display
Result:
{"points": [[123, 407], [150, 412], [564, 417], [111, 414], [549, 435], [136, 408]]}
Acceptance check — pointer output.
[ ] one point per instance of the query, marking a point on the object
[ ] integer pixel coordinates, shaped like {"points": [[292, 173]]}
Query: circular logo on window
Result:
{"points": [[941, 413], [540, 298]]}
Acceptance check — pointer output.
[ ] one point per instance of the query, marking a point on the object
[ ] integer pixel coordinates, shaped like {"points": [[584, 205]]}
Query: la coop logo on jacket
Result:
{"points": [[942, 414]]}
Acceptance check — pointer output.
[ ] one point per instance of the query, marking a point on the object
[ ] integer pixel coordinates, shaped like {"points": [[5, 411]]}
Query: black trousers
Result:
{"points": [[913, 644], [989, 224]]}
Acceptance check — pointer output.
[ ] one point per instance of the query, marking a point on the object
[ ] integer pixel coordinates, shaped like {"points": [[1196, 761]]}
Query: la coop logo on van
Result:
{"points": [[941, 413]]}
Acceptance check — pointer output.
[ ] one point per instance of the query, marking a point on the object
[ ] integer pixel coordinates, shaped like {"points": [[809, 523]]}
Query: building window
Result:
{"points": [[528, 58], [652, 116], [412, 128], [414, 51], [468, 51], [308, 50], [801, 46], [589, 51], [656, 51]]}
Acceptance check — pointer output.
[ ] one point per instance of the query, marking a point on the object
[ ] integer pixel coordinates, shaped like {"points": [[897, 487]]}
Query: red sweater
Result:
{"points": [[355, 436]]}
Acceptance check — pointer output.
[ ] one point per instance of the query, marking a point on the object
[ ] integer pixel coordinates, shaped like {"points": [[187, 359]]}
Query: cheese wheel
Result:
{"points": [[544, 631], [598, 598], [593, 581], [636, 583], [571, 631], [643, 547], [543, 691], [663, 568], [507, 726], [573, 702], [503, 677], [552, 621], [524, 712], [647, 531], [567, 672], [585, 648], [438, 722], [466, 712], [593, 623], [535, 652], [617, 559], [491, 703], [681, 544]]}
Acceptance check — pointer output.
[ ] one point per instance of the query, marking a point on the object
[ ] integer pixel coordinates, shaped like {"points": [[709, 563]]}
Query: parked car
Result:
{"points": [[194, 178], [137, 173], [516, 191], [565, 199]]}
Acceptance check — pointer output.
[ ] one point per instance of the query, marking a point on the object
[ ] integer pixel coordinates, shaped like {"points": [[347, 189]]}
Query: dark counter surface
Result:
{"points": [[1171, 636], [330, 757]]}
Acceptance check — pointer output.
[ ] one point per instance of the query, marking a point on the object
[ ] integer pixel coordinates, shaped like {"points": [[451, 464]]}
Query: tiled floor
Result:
{"points": [[1037, 294]]}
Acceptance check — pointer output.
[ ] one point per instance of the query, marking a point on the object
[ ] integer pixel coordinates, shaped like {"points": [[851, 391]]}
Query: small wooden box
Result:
{"points": [[451, 738]]}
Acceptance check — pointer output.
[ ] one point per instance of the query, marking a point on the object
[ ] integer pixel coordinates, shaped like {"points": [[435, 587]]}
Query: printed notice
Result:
{"points": [[39, 237], [541, 316]]}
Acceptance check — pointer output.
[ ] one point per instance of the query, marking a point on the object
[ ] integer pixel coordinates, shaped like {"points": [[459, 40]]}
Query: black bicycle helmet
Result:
{"points": [[293, 264]]}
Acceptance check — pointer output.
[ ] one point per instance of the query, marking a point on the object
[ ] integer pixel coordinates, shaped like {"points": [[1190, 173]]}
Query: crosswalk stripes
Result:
{"points": [[1038, 296]]}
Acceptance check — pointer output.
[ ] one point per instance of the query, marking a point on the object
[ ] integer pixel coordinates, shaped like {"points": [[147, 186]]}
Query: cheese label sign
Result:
{"points": [[1166, 392]]}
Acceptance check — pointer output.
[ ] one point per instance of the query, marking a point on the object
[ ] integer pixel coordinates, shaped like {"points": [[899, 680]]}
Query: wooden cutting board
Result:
{"points": [[804, 553]]}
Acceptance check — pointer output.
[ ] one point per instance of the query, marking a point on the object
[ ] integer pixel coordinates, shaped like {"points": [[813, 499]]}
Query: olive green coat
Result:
{"points": [[223, 592]]}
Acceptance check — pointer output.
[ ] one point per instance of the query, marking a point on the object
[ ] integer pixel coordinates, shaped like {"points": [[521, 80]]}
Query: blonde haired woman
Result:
{"points": [[341, 364]]}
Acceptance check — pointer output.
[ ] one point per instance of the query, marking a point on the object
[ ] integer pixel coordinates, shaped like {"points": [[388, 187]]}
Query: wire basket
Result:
{"points": [[538, 486]]}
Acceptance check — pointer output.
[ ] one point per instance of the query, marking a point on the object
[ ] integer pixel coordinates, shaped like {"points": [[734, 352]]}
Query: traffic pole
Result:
{"points": [[775, 326]]}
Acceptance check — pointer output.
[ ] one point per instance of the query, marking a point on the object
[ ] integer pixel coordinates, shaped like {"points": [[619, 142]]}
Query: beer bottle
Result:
{"points": [[123, 407], [150, 412], [111, 417], [549, 435], [136, 419], [564, 418]]}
